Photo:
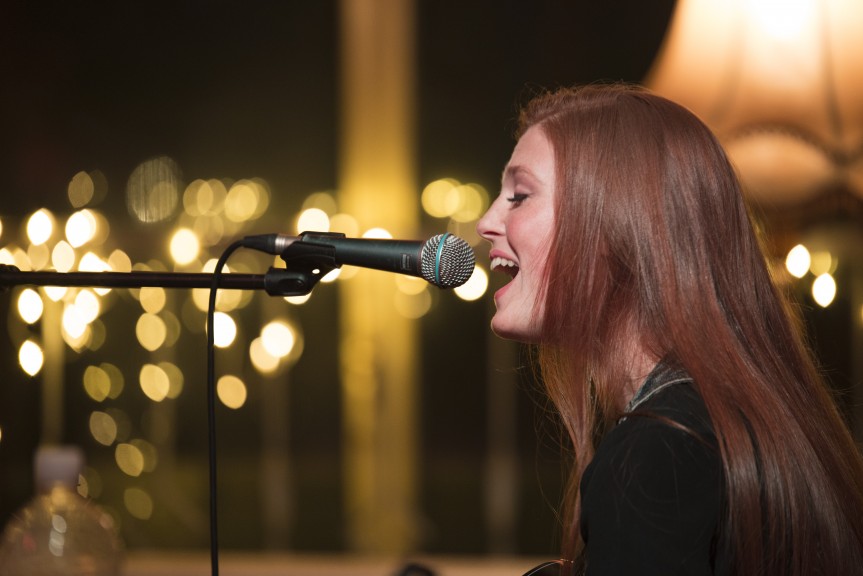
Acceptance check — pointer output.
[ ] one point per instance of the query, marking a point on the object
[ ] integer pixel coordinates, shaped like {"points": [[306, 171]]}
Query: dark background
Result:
{"points": [[239, 89]]}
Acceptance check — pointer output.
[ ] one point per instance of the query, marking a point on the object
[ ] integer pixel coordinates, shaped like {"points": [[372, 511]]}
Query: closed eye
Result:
{"points": [[517, 199]]}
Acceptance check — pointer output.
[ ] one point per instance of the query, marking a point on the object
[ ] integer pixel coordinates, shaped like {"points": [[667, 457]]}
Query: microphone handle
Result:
{"points": [[401, 256]]}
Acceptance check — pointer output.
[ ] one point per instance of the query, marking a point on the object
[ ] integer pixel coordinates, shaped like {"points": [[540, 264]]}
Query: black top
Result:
{"points": [[652, 498]]}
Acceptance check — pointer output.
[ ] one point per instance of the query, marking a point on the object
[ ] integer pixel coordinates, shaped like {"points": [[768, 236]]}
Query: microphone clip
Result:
{"points": [[305, 265]]}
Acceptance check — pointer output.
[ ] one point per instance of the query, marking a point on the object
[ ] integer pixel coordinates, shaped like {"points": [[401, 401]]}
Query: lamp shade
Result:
{"points": [[781, 84]]}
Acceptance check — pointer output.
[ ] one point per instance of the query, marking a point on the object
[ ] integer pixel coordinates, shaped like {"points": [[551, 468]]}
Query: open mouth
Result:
{"points": [[508, 267]]}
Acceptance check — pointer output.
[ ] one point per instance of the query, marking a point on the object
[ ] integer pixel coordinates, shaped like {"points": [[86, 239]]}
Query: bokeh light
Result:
{"points": [[138, 502], [81, 189], [822, 263], [824, 289], [225, 330], [153, 189], [39, 256], [475, 286], [278, 338], [262, 360], [412, 306], [30, 357], [80, 228], [184, 246], [313, 220], [40, 226], [231, 391], [150, 331], [63, 256], [97, 383], [154, 382], [103, 428], [30, 306], [152, 299], [437, 199], [129, 459], [175, 379]]}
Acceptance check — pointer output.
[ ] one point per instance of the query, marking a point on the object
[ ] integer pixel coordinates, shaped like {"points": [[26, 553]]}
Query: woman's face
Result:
{"points": [[519, 224]]}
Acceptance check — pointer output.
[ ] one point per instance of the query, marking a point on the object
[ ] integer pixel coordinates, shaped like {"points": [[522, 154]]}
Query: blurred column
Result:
{"points": [[378, 347], [53, 373]]}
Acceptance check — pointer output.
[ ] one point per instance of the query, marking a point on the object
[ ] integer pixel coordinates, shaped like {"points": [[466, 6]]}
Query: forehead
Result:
{"points": [[532, 157]]}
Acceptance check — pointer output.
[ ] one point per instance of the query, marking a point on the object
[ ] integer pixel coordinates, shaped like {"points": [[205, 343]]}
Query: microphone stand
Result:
{"points": [[309, 265]]}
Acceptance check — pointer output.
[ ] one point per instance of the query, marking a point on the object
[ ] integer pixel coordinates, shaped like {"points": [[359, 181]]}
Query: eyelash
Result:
{"points": [[517, 199]]}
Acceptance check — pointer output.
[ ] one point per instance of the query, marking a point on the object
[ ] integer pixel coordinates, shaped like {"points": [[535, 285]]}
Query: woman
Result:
{"points": [[704, 440]]}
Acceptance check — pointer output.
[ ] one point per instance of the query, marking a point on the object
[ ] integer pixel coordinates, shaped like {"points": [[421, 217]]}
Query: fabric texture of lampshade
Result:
{"points": [[781, 84]]}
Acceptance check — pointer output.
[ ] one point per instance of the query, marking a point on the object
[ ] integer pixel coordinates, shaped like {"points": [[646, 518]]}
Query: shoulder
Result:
{"points": [[665, 442], [653, 491]]}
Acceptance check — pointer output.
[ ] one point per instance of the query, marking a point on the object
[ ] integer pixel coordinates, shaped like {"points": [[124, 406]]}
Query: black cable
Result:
{"points": [[211, 405]]}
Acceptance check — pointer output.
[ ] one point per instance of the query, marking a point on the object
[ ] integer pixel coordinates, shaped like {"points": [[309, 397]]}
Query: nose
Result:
{"points": [[491, 224]]}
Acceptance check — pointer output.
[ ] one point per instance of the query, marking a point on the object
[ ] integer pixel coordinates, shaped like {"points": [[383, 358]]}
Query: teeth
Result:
{"points": [[502, 263]]}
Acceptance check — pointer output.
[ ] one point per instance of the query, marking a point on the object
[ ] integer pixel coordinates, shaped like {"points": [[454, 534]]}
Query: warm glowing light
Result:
{"points": [[129, 459], [30, 357], [1, 227], [321, 200], [97, 383], [149, 452], [55, 293], [154, 382], [346, 224], [262, 360], [822, 263], [204, 197], [475, 286], [175, 379], [783, 19], [298, 300], [80, 228], [103, 428], [152, 192], [63, 256], [138, 502], [116, 378], [471, 200], [88, 306], [331, 276], [377, 233], [798, 260], [410, 284], [6, 257], [824, 289], [80, 189], [39, 256], [152, 299], [313, 220], [437, 199], [278, 338], [231, 391], [241, 203], [225, 330], [412, 306], [185, 246], [150, 331], [92, 263], [30, 306], [74, 321], [40, 227], [119, 261]]}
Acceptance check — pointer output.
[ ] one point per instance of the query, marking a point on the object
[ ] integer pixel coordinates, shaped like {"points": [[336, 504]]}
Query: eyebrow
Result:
{"points": [[513, 171]]}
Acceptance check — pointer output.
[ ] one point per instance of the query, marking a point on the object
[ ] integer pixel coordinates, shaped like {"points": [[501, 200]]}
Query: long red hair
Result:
{"points": [[654, 239]]}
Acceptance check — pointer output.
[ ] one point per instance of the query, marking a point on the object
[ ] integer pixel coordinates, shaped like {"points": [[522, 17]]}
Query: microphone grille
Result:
{"points": [[447, 261]]}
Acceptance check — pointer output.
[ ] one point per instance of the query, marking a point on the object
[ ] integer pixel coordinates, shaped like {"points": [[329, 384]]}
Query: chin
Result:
{"points": [[526, 335]]}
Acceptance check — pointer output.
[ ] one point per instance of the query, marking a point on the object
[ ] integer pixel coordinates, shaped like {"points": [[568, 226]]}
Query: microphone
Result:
{"points": [[444, 260]]}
